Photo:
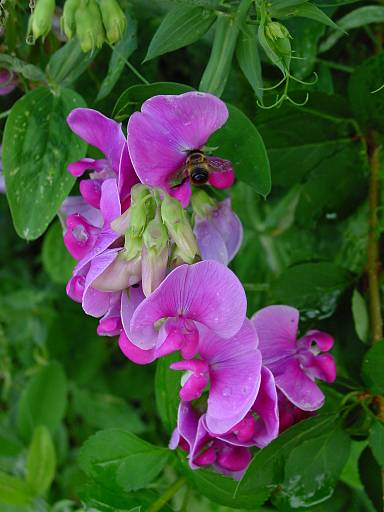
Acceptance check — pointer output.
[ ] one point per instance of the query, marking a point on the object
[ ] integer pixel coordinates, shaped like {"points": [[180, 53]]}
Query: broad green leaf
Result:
{"points": [[37, 147], [350, 474], [132, 98], [167, 386], [372, 368], [68, 63], [266, 470], [313, 288], [120, 53], [368, 106], [14, 491], [376, 441], [117, 458], [304, 10], [41, 461], [360, 316], [371, 477], [182, 25], [247, 154], [43, 400], [307, 34], [312, 469], [248, 57], [28, 71], [334, 3], [57, 261], [357, 18]]}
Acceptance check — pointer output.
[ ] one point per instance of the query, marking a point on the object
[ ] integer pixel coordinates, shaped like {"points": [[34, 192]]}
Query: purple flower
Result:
{"points": [[106, 135], [294, 363], [167, 129], [206, 292], [219, 232], [7, 81], [289, 414]]}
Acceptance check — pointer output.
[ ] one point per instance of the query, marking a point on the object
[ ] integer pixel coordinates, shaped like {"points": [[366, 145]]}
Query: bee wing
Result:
{"points": [[218, 164], [179, 177]]}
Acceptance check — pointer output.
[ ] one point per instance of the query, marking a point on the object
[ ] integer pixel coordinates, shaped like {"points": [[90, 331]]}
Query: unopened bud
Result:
{"points": [[154, 265], [155, 236], [179, 228], [40, 21], [132, 246], [89, 27], [121, 223], [139, 192], [120, 274], [275, 30], [114, 20], [202, 203], [67, 20]]}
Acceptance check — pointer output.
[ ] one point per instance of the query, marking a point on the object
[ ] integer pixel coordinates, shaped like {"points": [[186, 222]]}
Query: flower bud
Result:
{"points": [[139, 192], [89, 27], [154, 256], [275, 30], [40, 21], [202, 203], [120, 274], [132, 246], [67, 20], [155, 236], [179, 228], [114, 20]]}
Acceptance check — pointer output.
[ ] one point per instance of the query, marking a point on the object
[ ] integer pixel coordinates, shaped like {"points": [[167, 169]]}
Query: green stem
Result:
{"points": [[336, 65], [130, 66], [4, 114], [168, 494]]}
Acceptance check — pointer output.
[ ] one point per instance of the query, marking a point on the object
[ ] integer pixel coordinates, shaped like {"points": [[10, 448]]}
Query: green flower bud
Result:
{"points": [[132, 247], [202, 203], [179, 228], [89, 27], [138, 219], [114, 20], [275, 30], [67, 20], [139, 192], [155, 236], [40, 21]]}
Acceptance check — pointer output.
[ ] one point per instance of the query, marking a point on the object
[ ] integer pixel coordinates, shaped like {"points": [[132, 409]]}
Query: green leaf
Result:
{"points": [[312, 469], [37, 147], [120, 54], [313, 288], [247, 154], [133, 97], [376, 441], [248, 57], [14, 491], [167, 386], [43, 400], [266, 470], [307, 34], [182, 26], [357, 18], [28, 71], [360, 316], [57, 261], [41, 461], [367, 106], [371, 477], [117, 458], [68, 63], [372, 368], [304, 10]]}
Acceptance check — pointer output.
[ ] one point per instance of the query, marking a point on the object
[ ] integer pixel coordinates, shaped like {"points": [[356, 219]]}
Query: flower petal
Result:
{"points": [[276, 327], [266, 406], [229, 226], [207, 292], [211, 244], [323, 340], [79, 167], [76, 204], [235, 374], [321, 367]]}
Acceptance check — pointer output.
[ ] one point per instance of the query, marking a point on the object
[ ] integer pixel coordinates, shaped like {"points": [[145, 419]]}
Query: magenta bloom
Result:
{"points": [[289, 414], [206, 292], [106, 135], [7, 81], [167, 129], [219, 234], [294, 363]]}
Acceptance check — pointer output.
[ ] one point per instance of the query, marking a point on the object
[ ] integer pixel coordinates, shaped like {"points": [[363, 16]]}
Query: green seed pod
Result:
{"points": [[89, 27], [67, 20], [41, 20], [114, 20]]}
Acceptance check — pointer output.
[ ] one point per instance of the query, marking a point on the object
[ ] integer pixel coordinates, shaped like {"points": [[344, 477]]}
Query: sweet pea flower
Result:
{"points": [[289, 414], [167, 129], [207, 293], [294, 363], [106, 135], [7, 81], [218, 229]]}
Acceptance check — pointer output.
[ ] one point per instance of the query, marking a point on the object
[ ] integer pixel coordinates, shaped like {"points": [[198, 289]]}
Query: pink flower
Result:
{"points": [[167, 129], [294, 363], [7, 81], [206, 292]]}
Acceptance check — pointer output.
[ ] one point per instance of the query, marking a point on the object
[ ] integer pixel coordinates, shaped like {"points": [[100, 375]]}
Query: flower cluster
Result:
{"points": [[152, 251]]}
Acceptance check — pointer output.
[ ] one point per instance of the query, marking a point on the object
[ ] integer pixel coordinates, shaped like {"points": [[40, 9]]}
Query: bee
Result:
{"points": [[197, 168]]}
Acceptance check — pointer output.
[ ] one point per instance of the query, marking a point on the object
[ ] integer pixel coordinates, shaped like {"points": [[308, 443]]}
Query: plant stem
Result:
{"points": [[376, 318], [168, 494]]}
